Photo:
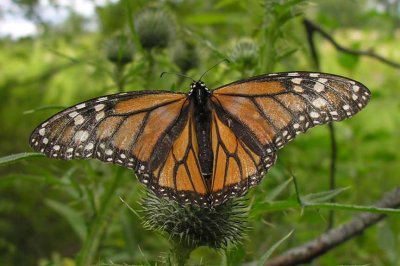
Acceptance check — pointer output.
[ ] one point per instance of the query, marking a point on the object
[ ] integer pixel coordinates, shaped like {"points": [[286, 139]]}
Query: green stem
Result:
{"points": [[181, 252], [332, 172], [285, 205], [119, 77], [99, 224], [338, 206], [150, 69]]}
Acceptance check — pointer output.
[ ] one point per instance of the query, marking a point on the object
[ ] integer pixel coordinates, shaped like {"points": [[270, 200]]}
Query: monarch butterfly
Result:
{"points": [[201, 147]]}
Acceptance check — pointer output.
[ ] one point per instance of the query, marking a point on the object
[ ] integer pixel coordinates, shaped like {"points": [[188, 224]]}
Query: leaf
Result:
{"points": [[74, 218], [349, 61], [233, 255], [286, 54], [263, 207], [322, 196], [205, 42], [278, 190], [13, 158], [271, 250], [42, 108], [214, 18], [41, 179]]}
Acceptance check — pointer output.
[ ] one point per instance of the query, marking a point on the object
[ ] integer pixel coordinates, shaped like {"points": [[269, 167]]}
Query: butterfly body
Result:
{"points": [[200, 96], [205, 146]]}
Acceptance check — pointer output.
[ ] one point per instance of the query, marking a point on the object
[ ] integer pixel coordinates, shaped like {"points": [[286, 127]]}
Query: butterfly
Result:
{"points": [[205, 146]]}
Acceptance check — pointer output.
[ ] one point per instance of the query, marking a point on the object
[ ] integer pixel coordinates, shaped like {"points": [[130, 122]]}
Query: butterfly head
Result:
{"points": [[197, 86]]}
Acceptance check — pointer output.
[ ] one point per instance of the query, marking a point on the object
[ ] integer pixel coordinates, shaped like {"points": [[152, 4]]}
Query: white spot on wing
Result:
{"points": [[73, 114], [42, 131], [314, 75], [81, 135], [78, 120], [80, 106], [101, 99], [318, 87], [319, 103], [298, 89], [334, 113], [89, 146], [314, 114], [99, 107], [100, 116], [293, 74], [296, 80]]}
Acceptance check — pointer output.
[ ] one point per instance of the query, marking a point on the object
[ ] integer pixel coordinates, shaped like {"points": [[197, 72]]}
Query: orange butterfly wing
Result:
{"points": [[150, 132], [253, 118]]}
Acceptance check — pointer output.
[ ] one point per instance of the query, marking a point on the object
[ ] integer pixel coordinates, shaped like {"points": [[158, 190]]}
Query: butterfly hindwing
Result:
{"points": [[179, 175], [236, 165]]}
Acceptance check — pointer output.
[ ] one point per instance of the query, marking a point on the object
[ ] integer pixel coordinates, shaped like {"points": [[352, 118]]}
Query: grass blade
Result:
{"points": [[13, 158]]}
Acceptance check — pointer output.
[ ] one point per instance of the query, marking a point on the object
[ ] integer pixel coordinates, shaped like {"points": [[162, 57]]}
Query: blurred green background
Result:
{"points": [[78, 50]]}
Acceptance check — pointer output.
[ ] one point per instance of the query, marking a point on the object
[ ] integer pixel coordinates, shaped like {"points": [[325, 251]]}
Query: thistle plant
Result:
{"points": [[120, 51], [244, 53], [155, 28], [185, 56], [188, 226]]}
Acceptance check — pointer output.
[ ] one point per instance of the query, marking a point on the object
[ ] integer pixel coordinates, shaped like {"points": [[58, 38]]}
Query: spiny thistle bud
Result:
{"points": [[120, 50], [155, 28], [244, 53], [192, 226], [185, 56]]}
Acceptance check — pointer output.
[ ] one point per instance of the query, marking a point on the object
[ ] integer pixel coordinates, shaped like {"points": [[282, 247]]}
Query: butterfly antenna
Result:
{"points": [[224, 60], [178, 74]]}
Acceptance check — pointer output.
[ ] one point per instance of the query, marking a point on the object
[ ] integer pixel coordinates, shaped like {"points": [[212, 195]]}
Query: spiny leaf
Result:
{"points": [[271, 250]]}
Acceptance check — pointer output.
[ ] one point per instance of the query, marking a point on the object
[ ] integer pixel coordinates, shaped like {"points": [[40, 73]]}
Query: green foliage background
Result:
{"points": [[49, 208]]}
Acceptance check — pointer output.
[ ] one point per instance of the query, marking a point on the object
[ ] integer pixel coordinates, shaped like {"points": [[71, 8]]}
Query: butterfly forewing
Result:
{"points": [[265, 112], [275, 108], [110, 128]]}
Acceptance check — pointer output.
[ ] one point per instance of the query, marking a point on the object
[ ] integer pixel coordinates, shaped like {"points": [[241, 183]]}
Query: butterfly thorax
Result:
{"points": [[200, 96]]}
